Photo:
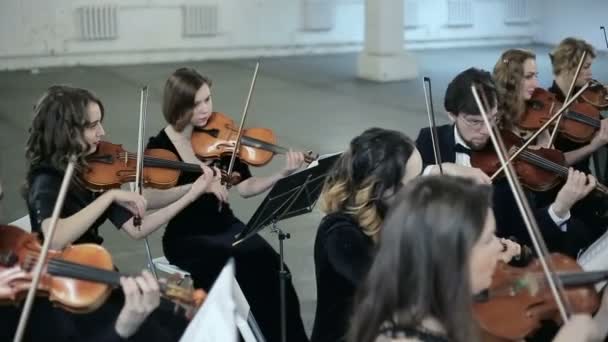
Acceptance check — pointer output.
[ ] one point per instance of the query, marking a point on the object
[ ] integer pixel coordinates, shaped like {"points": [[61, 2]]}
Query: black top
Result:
{"points": [[201, 216], [509, 222], [343, 254], [44, 183], [564, 144]]}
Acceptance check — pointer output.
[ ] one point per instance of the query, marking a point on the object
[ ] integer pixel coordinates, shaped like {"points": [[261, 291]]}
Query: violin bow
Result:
{"points": [[541, 129], [428, 99], [139, 168], [578, 70], [237, 144], [524, 207], [605, 37], [65, 183]]}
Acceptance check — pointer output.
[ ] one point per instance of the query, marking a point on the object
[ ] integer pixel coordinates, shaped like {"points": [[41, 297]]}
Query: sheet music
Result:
{"points": [[216, 319], [595, 258], [321, 157]]}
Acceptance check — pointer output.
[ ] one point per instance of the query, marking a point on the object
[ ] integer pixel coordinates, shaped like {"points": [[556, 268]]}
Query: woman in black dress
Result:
{"points": [[68, 122], [355, 198], [199, 238]]}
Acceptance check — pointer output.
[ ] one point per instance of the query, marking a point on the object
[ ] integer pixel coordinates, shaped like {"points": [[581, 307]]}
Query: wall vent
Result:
{"points": [[517, 12], [318, 15], [410, 16], [200, 20], [460, 13], [97, 22]]}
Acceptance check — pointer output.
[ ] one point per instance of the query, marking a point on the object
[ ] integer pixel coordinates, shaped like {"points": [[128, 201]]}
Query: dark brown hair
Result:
{"points": [[422, 266], [459, 97], [57, 130], [178, 96], [374, 163]]}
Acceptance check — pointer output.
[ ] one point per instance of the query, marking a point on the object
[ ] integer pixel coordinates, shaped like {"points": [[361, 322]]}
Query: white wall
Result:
{"points": [[36, 33], [582, 19]]}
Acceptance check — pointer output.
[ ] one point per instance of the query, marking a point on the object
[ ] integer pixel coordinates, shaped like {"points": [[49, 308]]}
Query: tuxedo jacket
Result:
{"points": [[509, 222]]}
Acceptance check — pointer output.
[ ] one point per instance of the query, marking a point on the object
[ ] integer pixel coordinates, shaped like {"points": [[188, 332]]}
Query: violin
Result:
{"points": [[579, 123], [539, 170], [596, 95], [218, 138], [522, 294], [80, 277], [111, 166]]}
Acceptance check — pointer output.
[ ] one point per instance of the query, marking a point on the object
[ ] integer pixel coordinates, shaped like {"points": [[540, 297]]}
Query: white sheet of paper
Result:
{"points": [[595, 258], [216, 319]]}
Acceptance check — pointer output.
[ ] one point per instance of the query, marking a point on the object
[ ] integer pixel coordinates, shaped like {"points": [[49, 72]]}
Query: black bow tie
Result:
{"points": [[459, 148]]}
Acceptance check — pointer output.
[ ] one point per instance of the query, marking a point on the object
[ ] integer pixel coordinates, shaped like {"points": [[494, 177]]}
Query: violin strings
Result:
{"points": [[153, 161], [583, 119], [542, 162], [67, 268], [63, 267], [263, 145]]}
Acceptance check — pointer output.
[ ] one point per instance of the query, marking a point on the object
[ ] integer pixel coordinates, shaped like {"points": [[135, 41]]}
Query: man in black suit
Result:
{"points": [[468, 133]]}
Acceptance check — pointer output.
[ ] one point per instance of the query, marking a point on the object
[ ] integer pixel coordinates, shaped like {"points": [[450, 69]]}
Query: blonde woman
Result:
{"points": [[565, 59]]}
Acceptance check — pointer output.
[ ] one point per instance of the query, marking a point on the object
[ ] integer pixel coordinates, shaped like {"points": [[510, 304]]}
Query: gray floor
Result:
{"points": [[312, 103]]}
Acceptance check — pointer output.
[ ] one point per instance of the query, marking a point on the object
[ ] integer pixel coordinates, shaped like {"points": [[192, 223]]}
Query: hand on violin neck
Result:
{"points": [[293, 162], [142, 296], [577, 186]]}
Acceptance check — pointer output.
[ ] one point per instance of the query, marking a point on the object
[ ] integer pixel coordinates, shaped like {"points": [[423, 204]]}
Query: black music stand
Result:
{"points": [[291, 196]]}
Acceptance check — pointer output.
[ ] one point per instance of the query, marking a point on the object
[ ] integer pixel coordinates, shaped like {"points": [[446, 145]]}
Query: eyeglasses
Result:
{"points": [[478, 123]]}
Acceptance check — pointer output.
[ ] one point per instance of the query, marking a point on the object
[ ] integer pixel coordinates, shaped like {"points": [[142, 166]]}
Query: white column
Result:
{"points": [[384, 58]]}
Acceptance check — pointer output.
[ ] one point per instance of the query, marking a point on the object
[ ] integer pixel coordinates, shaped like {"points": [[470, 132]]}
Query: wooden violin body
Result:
{"points": [[80, 277], [18, 247], [579, 123], [532, 175], [111, 166], [520, 299], [597, 95], [218, 138]]}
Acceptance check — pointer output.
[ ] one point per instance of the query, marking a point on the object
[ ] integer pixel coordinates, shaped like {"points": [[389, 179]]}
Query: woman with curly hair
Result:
{"points": [[68, 124], [516, 78]]}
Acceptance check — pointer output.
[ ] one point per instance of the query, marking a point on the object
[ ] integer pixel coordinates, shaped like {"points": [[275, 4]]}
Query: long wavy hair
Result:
{"points": [[374, 164], [566, 56], [422, 267], [508, 75], [57, 130]]}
